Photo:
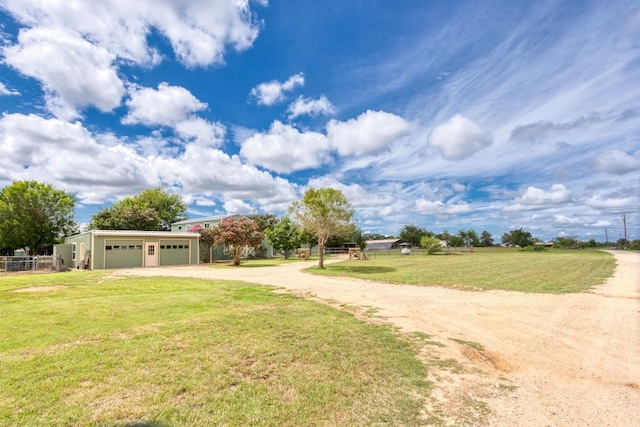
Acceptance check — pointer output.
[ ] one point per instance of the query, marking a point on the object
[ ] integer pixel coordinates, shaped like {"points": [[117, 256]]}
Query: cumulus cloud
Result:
{"points": [[616, 162], [535, 198], [459, 138], [273, 92], [284, 149], [98, 168], [166, 106], [199, 32], [370, 132], [311, 107], [73, 72]]}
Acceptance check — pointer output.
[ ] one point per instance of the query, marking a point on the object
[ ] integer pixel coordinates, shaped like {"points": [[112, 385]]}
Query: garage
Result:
{"points": [[106, 249]]}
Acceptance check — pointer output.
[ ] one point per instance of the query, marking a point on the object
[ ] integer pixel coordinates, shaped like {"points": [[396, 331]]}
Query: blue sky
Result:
{"points": [[485, 115]]}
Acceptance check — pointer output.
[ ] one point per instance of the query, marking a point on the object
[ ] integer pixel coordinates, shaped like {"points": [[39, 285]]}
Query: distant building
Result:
{"points": [[376, 245]]}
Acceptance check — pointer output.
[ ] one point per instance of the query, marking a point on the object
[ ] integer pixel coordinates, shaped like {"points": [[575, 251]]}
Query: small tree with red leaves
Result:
{"points": [[237, 233]]}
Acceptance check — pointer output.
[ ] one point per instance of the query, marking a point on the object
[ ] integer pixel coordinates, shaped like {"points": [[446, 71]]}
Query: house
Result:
{"points": [[217, 253], [102, 249], [206, 222]]}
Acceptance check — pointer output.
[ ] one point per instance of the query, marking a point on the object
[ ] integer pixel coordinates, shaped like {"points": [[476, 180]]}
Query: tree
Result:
{"points": [[412, 234], [517, 237], [265, 221], [325, 211], [35, 215], [431, 244], [469, 238], [285, 236], [207, 240], [486, 239], [236, 234], [151, 210]]}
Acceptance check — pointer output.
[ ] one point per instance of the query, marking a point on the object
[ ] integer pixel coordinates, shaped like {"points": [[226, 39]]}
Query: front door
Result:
{"points": [[151, 255]]}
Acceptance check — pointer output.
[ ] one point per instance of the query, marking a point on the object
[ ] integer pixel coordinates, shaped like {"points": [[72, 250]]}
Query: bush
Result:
{"points": [[431, 244]]}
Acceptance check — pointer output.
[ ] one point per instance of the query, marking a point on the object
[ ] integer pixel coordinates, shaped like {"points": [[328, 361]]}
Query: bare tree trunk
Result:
{"points": [[320, 254]]}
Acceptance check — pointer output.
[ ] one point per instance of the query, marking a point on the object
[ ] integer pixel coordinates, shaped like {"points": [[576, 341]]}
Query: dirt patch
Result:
{"points": [[546, 360], [488, 358], [41, 289]]}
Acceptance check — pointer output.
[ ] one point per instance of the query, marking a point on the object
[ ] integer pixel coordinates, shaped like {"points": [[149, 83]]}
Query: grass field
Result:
{"points": [[553, 271], [186, 352]]}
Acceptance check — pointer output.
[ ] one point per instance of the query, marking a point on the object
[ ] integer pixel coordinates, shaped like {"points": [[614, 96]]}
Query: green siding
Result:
{"points": [[121, 253], [175, 252]]}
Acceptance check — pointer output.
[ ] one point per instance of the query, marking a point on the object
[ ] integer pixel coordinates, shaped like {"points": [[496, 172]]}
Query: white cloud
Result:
{"points": [[5, 91], [166, 106], [565, 220], [312, 107], [97, 168], [74, 72], [198, 31], [428, 207], [535, 198], [285, 149], [459, 138], [613, 204], [234, 206], [203, 133], [616, 162], [370, 132], [273, 92]]}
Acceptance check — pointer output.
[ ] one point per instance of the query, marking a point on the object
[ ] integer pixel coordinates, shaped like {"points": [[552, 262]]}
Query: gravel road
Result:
{"points": [[546, 360]]}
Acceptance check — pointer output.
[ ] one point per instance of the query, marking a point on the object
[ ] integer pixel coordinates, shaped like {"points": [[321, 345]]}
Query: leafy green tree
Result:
{"points": [[206, 240], [34, 215], [236, 234], [376, 236], [567, 242], [285, 236], [486, 239], [431, 244], [412, 234], [326, 211], [469, 238], [265, 221], [456, 241], [517, 237], [152, 210]]}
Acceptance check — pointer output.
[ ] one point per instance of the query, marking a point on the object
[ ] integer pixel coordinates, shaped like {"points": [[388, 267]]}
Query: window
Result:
{"points": [[180, 246], [151, 250], [206, 225], [179, 227], [161, 246], [175, 246], [132, 247], [73, 252], [108, 247], [116, 247]]}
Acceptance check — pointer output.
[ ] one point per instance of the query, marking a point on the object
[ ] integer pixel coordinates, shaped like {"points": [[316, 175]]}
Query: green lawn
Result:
{"points": [[186, 352], [553, 271]]}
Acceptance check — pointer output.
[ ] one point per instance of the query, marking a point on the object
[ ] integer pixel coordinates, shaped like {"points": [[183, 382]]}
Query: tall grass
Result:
{"points": [[185, 352], [552, 271]]}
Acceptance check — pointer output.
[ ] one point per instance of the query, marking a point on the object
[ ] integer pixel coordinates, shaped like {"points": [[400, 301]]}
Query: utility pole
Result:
{"points": [[624, 221], [606, 237]]}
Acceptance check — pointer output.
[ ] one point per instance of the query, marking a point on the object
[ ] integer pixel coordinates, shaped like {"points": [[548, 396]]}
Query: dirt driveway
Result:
{"points": [[548, 360]]}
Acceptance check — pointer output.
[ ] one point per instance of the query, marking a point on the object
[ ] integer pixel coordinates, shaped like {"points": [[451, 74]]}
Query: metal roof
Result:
{"points": [[139, 233], [205, 219]]}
